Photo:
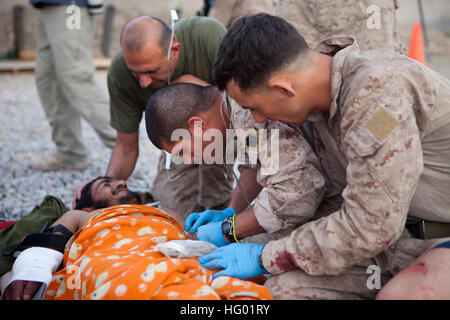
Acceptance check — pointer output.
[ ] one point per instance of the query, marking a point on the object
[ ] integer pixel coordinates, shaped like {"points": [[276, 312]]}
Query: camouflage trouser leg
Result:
{"points": [[358, 282], [350, 285], [373, 23], [228, 11]]}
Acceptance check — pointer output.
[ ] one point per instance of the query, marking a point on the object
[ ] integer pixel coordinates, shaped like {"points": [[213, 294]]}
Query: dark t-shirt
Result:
{"points": [[199, 37]]}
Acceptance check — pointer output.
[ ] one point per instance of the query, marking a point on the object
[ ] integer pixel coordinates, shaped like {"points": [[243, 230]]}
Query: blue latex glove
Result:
{"points": [[212, 232], [197, 219], [238, 260]]}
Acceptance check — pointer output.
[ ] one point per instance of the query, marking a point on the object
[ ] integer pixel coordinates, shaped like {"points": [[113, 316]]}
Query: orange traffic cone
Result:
{"points": [[416, 49]]}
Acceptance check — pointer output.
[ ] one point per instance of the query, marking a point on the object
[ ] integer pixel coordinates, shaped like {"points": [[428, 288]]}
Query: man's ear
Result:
{"points": [[176, 47], [196, 122], [282, 85]]}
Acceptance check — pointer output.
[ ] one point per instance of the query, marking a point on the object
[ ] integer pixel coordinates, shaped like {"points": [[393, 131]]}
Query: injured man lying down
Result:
{"points": [[113, 248]]}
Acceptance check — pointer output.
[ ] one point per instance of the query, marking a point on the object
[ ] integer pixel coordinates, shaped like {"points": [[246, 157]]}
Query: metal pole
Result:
{"points": [[107, 28], [18, 29], [424, 29]]}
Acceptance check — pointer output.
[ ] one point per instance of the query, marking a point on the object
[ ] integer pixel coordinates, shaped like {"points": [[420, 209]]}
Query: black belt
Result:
{"points": [[423, 229], [45, 238]]}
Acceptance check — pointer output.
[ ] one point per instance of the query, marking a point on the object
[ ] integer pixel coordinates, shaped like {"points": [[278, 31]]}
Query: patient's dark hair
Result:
{"points": [[171, 107], [254, 48], [86, 201]]}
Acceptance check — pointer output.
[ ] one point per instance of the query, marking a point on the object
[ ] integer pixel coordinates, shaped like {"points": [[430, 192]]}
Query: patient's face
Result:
{"points": [[106, 192]]}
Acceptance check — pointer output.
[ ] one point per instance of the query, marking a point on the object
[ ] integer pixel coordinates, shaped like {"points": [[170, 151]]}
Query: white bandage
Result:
{"points": [[185, 248], [36, 264]]}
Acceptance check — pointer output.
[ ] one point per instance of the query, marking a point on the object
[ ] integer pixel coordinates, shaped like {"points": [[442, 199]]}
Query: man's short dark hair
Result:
{"points": [[171, 107], [255, 47]]}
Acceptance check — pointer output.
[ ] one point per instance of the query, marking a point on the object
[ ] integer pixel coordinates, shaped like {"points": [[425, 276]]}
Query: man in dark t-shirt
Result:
{"points": [[139, 70]]}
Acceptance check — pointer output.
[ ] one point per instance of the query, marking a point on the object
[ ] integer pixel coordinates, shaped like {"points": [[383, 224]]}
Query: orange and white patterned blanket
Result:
{"points": [[113, 256]]}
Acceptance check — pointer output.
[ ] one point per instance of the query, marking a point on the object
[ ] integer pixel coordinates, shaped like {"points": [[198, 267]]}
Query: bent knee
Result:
{"points": [[399, 291], [419, 281]]}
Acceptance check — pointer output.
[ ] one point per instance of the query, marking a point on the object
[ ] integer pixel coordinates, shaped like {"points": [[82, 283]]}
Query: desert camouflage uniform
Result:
{"points": [[228, 11], [293, 183], [388, 130], [373, 23]]}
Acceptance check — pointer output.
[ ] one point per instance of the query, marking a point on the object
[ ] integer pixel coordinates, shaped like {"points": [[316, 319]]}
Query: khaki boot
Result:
{"points": [[56, 162]]}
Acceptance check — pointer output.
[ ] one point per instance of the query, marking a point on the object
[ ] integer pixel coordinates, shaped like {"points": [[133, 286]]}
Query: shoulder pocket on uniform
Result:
{"points": [[362, 141], [367, 137]]}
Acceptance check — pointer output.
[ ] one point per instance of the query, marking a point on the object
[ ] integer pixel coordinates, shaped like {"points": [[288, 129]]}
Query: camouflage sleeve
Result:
{"points": [[293, 182], [382, 143], [287, 168]]}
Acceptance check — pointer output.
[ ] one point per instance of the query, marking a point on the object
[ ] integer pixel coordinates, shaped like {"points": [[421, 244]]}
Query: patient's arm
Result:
{"points": [[180, 219], [73, 220], [177, 216], [21, 290]]}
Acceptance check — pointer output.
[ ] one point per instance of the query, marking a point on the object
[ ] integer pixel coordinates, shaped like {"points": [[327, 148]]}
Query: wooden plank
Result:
{"points": [[16, 66], [102, 63]]}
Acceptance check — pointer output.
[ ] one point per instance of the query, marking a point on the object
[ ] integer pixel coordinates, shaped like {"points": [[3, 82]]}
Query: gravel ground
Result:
{"points": [[25, 134]]}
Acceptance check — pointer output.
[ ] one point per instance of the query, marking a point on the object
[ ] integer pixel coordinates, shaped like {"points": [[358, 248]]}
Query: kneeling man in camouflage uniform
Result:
{"points": [[381, 131]]}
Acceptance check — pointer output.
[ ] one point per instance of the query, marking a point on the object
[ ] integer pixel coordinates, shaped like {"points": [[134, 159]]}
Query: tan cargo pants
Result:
{"points": [[228, 11], [65, 81], [192, 188]]}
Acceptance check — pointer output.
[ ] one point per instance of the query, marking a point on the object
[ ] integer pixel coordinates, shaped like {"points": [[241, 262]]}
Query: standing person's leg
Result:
{"points": [[248, 7], [74, 66], [65, 131], [44, 72], [373, 23], [222, 11], [95, 104]]}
